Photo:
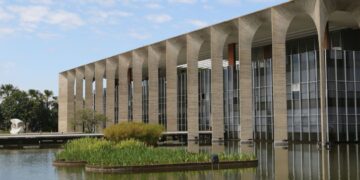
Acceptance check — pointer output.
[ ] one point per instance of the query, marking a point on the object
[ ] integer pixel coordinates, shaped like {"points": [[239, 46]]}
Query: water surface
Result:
{"points": [[298, 161]]}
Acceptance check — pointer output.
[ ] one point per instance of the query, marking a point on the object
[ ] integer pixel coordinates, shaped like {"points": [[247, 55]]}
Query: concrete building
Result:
{"points": [[287, 73]]}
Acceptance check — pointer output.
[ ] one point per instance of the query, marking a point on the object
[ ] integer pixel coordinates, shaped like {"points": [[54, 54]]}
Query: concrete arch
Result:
{"points": [[281, 18], [218, 36], [110, 73], [173, 49], [248, 26], [79, 99], [124, 76], [194, 42], [155, 55], [139, 69]]}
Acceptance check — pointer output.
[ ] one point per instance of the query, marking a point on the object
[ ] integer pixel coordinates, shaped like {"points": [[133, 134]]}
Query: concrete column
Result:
{"points": [[193, 147], [89, 78], [172, 53], [217, 147], [79, 103], [193, 45], [320, 18], [281, 163], [218, 38], [137, 68], [111, 66], [247, 29], [123, 69], [153, 63], [99, 90], [66, 101], [280, 23]]}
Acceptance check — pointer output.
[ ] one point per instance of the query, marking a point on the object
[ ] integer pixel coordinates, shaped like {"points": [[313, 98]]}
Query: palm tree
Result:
{"points": [[6, 90], [35, 94], [47, 95]]}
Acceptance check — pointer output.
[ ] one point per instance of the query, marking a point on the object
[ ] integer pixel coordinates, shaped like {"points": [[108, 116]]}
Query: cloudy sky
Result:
{"points": [[40, 38]]}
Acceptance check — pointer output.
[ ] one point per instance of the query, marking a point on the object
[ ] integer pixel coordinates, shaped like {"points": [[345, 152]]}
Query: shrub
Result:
{"points": [[147, 133]]}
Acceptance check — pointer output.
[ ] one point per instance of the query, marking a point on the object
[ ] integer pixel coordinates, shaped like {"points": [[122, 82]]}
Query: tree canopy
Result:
{"points": [[89, 119], [38, 110]]}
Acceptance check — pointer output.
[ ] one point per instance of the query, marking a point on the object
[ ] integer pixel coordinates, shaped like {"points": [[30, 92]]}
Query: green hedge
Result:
{"points": [[147, 133]]}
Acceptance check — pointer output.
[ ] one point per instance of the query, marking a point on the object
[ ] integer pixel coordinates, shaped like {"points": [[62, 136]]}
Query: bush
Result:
{"points": [[147, 133]]}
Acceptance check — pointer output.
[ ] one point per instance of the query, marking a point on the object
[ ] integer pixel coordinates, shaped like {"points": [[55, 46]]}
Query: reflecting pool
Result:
{"points": [[297, 161]]}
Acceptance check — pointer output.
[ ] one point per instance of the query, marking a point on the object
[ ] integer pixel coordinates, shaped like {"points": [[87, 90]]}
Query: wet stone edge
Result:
{"points": [[63, 163], [171, 167]]}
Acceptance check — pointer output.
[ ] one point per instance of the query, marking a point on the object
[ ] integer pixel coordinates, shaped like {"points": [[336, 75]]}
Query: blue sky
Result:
{"points": [[40, 38]]}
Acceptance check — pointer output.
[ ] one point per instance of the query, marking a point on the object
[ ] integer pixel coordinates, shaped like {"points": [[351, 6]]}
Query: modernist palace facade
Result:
{"points": [[287, 73]]}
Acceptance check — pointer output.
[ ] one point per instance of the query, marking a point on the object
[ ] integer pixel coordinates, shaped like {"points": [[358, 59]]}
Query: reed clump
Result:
{"points": [[133, 152]]}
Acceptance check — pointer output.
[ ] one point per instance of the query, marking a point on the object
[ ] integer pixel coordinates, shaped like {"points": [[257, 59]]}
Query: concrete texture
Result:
{"points": [[153, 63], [79, 99], [172, 53], [193, 44], [139, 57], [252, 30], [218, 38], [123, 72], [111, 66]]}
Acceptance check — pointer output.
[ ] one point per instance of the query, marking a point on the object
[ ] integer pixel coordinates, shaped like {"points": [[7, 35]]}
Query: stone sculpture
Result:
{"points": [[17, 126]]}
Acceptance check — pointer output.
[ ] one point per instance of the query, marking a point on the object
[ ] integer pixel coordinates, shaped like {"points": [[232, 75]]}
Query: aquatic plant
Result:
{"points": [[133, 152], [148, 133]]}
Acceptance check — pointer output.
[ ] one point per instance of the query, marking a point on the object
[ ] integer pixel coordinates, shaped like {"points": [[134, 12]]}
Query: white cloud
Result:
{"points": [[108, 17], [230, 2], [159, 18], [5, 16], [47, 35], [153, 6], [65, 19], [30, 14], [198, 23], [140, 36], [99, 2], [183, 1], [47, 2], [6, 31]]}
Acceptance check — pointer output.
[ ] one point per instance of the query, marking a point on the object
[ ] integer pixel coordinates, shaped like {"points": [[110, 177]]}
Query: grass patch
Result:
{"points": [[132, 152]]}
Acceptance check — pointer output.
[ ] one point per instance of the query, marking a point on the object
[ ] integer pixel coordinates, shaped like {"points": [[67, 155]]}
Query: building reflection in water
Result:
{"points": [[297, 161]]}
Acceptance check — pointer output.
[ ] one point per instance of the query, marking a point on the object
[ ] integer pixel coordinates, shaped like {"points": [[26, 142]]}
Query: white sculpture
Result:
{"points": [[17, 126]]}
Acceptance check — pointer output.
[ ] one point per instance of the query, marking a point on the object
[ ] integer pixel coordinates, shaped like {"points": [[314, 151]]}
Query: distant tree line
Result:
{"points": [[38, 110]]}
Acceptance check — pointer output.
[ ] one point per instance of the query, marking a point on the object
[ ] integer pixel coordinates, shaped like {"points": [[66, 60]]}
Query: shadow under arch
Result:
{"points": [[302, 80], [342, 65], [261, 65], [231, 83]]}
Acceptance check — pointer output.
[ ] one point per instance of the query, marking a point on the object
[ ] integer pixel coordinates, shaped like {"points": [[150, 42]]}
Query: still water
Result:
{"points": [[298, 161]]}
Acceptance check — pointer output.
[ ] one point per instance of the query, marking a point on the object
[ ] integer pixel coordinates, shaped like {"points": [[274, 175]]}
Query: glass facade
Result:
{"points": [[231, 102], [130, 100], [262, 93], [116, 105], [343, 86], [162, 100], [182, 99], [302, 86], [204, 99], [145, 101], [343, 91]]}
